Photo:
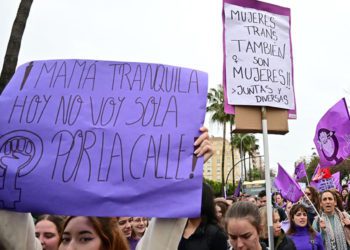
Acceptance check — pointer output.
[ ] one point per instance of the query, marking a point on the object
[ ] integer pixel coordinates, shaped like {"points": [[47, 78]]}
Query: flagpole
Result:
{"points": [[307, 179], [267, 178]]}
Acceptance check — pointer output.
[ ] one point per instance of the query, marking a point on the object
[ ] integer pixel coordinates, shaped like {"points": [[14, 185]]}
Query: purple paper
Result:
{"points": [[287, 186], [329, 183], [102, 138], [300, 171], [238, 189], [332, 137], [262, 97]]}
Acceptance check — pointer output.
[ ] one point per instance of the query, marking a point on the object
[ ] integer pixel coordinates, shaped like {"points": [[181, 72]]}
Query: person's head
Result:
{"points": [[344, 194], [221, 208], [48, 229], [124, 224], [92, 233], [312, 194], [275, 220], [139, 225], [298, 218], [242, 222], [338, 199], [328, 201], [252, 199], [262, 198], [278, 199]]}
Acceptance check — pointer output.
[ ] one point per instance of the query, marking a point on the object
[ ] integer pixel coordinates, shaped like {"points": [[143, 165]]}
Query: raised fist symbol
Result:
{"points": [[20, 152]]}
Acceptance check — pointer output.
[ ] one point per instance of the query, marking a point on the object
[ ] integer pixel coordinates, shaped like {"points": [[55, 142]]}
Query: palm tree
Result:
{"points": [[246, 144], [216, 108], [250, 147], [14, 44]]}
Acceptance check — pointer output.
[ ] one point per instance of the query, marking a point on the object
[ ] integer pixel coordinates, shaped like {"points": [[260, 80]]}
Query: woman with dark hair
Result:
{"points": [[92, 233], [167, 233], [243, 226], [313, 196], [221, 208], [48, 229], [204, 232], [301, 232]]}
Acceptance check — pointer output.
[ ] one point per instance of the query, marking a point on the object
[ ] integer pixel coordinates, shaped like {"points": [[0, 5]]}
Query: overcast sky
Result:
{"points": [[188, 33]]}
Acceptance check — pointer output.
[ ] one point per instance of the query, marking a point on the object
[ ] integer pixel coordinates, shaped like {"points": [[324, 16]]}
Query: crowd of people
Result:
{"points": [[317, 221]]}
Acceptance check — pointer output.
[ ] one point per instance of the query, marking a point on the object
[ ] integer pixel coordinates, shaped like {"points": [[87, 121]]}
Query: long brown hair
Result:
{"points": [[292, 228], [106, 228]]}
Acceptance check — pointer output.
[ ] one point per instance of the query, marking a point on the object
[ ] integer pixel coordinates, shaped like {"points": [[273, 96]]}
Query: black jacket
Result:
{"points": [[206, 237], [282, 242]]}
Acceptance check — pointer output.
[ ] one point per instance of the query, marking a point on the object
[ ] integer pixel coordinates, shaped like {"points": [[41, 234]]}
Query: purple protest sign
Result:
{"points": [[103, 138], [299, 171], [332, 137], [258, 62], [287, 186], [328, 183]]}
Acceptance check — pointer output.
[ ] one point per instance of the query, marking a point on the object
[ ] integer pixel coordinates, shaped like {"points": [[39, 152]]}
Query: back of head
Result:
{"points": [[244, 210], [208, 213]]}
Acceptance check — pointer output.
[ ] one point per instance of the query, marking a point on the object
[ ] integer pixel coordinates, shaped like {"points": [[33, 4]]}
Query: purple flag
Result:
{"points": [[300, 171], [287, 186], [332, 137], [102, 138], [238, 189]]}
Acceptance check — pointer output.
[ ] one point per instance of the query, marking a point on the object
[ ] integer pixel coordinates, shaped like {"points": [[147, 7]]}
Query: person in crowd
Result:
{"points": [[48, 229], [138, 226], [313, 196], [125, 226], [92, 233], [167, 233], [286, 223], [278, 200], [243, 226], [281, 240], [204, 232], [332, 223], [339, 200], [221, 207], [253, 200], [262, 198], [281, 212], [301, 232]]}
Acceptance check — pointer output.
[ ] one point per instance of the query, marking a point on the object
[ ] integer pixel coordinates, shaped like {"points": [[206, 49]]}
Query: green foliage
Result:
{"points": [[343, 167], [216, 186]]}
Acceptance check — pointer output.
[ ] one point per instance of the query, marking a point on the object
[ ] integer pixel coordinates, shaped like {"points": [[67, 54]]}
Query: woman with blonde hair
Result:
{"points": [[281, 241]]}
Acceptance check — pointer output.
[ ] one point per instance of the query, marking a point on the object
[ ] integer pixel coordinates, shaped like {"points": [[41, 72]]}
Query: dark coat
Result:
{"points": [[284, 243], [209, 237]]}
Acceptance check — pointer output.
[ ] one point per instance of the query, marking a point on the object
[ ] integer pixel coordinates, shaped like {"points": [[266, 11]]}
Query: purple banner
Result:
{"points": [[102, 138], [287, 186], [299, 171], [332, 137]]}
